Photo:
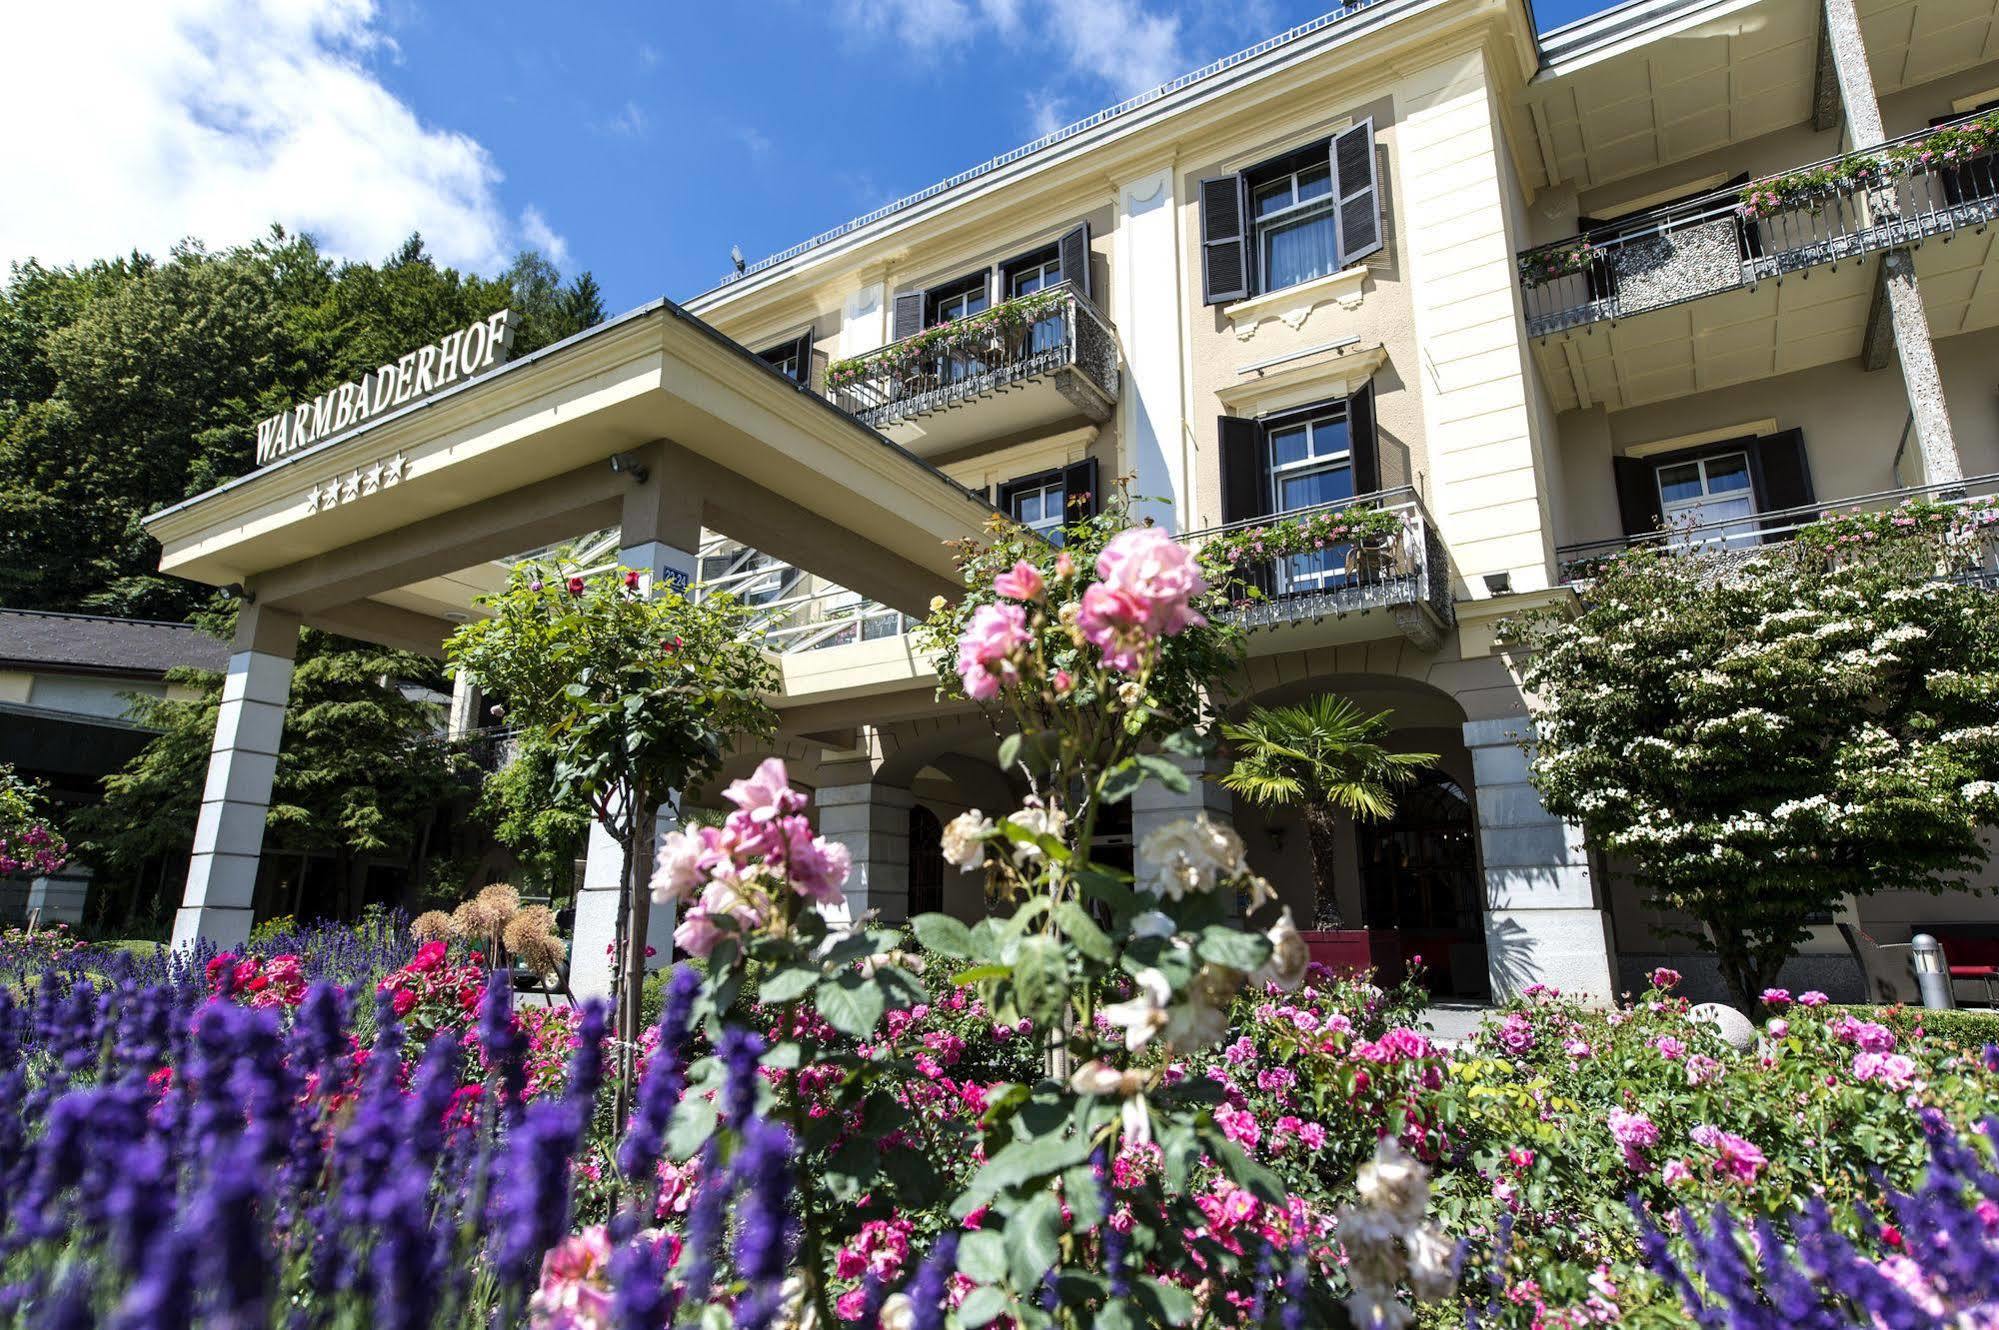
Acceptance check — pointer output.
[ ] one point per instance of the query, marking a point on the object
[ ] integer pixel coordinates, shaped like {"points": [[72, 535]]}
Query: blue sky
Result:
{"points": [[637, 139]]}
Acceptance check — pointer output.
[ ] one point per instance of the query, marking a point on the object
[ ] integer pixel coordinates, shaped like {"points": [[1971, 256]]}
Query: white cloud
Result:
{"points": [[630, 121], [1046, 112], [214, 118], [536, 231]]}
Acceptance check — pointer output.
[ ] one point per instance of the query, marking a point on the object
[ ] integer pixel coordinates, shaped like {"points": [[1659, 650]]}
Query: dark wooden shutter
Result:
{"points": [[803, 352], [1362, 443], [1224, 239], [1783, 478], [908, 316], [1245, 478], [1637, 495], [1354, 187], [1073, 249], [1080, 498]]}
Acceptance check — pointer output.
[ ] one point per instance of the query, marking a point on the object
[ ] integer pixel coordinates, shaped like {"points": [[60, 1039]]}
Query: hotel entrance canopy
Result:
{"points": [[389, 531]]}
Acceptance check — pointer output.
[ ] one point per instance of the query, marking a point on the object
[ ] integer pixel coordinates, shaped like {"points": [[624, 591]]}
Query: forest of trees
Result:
{"points": [[129, 384]]}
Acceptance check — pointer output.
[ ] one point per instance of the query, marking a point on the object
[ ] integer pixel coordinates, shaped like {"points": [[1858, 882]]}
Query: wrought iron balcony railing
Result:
{"points": [[1965, 511], [790, 613], [1932, 183], [1378, 551], [1054, 334]]}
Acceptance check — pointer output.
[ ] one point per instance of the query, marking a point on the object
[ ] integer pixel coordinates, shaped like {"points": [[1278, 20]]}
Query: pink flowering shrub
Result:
{"points": [[433, 992], [1560, 1114]]}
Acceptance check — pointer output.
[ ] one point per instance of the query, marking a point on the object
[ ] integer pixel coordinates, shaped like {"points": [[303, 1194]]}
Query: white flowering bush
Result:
{"points": [[1758, 736]]}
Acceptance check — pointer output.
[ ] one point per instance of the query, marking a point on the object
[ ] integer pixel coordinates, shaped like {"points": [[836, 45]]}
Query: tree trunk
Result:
{"points": [[1745, 970], [635, 905], [1322, 837]]}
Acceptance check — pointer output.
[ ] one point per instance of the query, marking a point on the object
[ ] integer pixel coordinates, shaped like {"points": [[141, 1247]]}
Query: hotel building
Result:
{"points": [[1410, 255]]}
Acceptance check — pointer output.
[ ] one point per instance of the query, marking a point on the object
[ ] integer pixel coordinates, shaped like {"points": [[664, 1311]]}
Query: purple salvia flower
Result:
{"points": [[506, 1049], [641, 1281], [763, 1222], [1296, 1289], [664, 1082], [232, 1259], [532, 1196], [70, 1308], [932, 1283], [586, 1061], [740, 1051], [704, 1226], [162, 1297], [140, 1203]]}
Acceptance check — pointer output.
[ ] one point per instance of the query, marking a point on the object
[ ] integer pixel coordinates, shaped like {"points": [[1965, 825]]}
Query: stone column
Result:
{"points": [[871, 818], [229, 832], [464, 715], [1544, 919], [1924, 385], [660, 529], [1149, 321]]}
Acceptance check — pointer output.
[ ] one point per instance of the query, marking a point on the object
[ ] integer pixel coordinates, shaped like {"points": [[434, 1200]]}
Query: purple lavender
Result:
{"points": [[664, 1082], [763, 1223], [932, 1282], [740, 1052]]}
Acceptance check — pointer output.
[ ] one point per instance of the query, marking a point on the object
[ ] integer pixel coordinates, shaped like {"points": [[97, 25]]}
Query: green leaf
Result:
{"points": [[1121, 781], [1009, 751], [851, 1004], [979, 974], [1169, 1302], [692, 1127], [943, 934], [1110, 890], [786, 986], [980, 1307], [1033, 1233], [1222, 945], [982, 1256], [1082, 930], [1167, 773], [1084, 1196], [1020, 1163], [1041, 979]]}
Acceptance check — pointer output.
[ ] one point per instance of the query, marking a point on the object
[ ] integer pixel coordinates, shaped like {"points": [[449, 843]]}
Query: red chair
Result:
{"points": [[1973, 958]]}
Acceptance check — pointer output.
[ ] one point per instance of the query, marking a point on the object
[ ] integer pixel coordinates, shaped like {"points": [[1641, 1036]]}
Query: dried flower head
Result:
{"points": [[530, 938], [431, 926]]}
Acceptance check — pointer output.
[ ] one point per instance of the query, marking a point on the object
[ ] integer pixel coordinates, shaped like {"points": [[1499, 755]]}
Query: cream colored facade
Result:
{"points": [[1493, 412]]}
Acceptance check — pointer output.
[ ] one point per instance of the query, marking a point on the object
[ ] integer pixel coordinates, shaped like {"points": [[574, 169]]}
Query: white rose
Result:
{"points": [[1190, 855], [1041, 821], [965, 839], [1144, 1015], [898, 1313], [1288, 955]]}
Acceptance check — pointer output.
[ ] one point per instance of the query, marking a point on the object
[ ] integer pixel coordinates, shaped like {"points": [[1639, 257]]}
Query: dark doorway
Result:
{"points": [[1419, 873], [926, 862]]}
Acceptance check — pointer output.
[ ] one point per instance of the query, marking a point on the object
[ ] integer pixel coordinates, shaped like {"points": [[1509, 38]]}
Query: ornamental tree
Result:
{"points": [[1760, 734], [636, 694]]}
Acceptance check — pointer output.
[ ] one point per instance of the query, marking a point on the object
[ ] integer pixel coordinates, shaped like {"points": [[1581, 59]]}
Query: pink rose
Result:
{"points": [[767, 793], [985, 652], [1020, 582], [1734, 1156], [1664, 977], [1160, 573]]}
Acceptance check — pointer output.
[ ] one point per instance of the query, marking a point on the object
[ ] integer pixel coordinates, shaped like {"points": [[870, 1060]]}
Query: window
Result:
{"points": [[1295, 240], [955, 300], [1706, 492], [1292, 219], [1978, 178], [1311, 463], [792, 359], [1038, 505], [1030, 275]]}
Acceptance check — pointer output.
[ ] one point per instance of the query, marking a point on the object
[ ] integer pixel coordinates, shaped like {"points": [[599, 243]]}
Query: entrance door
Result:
{"points": [[1419, 871]]}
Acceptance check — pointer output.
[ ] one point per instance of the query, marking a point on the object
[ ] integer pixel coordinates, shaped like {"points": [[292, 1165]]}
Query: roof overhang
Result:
{"points": [[521, 457]]}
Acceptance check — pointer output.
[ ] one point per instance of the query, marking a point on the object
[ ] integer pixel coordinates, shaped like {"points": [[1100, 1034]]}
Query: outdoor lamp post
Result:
{"points": [[1932, 975]]}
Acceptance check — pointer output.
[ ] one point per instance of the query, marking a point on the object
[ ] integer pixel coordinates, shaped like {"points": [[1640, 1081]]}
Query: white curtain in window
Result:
{"points": [[1298, 252]]}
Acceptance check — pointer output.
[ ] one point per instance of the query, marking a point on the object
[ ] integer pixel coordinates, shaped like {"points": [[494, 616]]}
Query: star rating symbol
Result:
{"points": [[371, 479], [392, 470]]}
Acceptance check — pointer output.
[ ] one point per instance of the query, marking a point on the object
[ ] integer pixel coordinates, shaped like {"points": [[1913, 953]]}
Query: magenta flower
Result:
{"points": [[1021, 582], [985, 652], [1735, 1156]]}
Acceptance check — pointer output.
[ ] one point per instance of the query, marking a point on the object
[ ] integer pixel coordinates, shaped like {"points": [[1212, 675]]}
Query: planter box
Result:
{"points": [[1352, 950]]}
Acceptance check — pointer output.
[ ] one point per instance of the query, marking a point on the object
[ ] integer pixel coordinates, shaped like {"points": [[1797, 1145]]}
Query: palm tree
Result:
{"points": [[1323, 757]]}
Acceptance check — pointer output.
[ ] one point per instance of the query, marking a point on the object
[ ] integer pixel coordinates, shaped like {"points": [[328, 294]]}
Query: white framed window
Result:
{"points": [[1704, 492], [1297, 235], [1311, 464], [955, 302], [1039, 506], [1034, 276]]}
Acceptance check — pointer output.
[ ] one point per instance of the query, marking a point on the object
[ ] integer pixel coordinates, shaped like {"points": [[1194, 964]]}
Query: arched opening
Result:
{"points": [[926, 862], [1419, 875]]}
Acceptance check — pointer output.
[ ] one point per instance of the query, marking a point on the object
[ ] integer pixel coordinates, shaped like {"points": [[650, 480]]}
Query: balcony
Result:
{"points": [[1334, 563], [1966, 510], [1933, 183], [1026, 364], [792, 610]]}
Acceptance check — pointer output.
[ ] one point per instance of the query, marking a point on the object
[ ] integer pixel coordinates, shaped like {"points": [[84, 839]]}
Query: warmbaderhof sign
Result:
{"points": [[451, 360]]}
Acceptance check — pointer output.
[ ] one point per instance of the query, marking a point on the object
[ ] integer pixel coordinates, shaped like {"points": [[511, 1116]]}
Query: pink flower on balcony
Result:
{"points": [[986, 651]]}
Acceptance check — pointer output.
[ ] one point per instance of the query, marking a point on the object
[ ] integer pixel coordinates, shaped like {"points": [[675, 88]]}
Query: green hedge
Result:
{"points": [[1973, 1028]]}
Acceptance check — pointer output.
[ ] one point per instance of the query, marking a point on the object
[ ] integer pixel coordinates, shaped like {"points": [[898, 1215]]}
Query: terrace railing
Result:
{"points": [[790, 613], [1378, 551], [1049, 332], [1971, 529], [1931, 183]]}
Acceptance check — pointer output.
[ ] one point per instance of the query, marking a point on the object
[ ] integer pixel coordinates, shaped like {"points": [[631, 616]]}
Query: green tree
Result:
{"points": [[1324, 758], [637, 696], [1759, 735], [540, 818], [361, 771]]}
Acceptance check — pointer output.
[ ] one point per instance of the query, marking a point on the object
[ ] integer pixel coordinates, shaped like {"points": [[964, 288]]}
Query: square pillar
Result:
{"points": [[872, 820], [1544, 920], [229, 832], [660, 529]]}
